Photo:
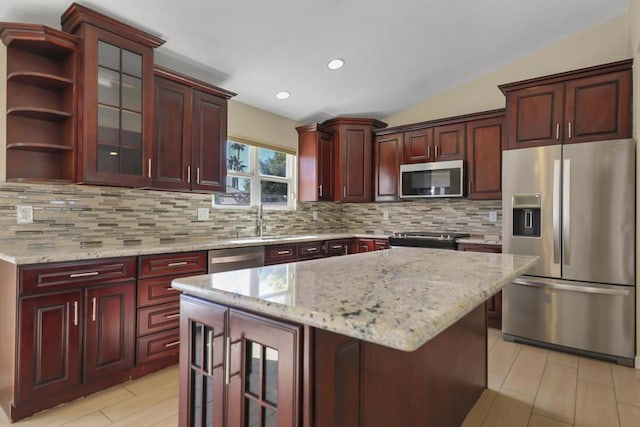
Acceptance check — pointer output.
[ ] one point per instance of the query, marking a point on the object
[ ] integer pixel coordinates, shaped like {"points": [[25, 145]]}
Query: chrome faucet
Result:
{"points": [[260, 220]]}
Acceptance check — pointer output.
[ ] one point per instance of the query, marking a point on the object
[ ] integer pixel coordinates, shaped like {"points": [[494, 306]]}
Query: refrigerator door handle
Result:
{"points": [[566, 212], [572, 288], [556, 211]]}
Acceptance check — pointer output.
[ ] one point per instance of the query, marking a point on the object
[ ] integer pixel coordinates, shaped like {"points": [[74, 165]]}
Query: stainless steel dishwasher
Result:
{"points": [[235, 258]]}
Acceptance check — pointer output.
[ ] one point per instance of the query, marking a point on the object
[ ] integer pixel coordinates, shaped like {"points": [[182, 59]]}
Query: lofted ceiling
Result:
{"points": [[398, 53]]}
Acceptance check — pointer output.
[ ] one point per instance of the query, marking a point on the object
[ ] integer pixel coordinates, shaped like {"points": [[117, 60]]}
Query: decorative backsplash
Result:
{"points": [[109, 214]]}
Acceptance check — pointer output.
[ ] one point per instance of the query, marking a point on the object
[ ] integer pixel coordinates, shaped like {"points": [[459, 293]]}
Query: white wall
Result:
{"points": [[604, 43]]}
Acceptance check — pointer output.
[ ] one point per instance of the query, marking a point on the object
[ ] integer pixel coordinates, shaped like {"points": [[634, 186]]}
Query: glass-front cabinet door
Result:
{"points": [[117, 104]]}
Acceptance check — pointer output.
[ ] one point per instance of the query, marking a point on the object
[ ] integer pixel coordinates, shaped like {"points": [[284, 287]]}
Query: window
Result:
{"points": [[257, 175]]}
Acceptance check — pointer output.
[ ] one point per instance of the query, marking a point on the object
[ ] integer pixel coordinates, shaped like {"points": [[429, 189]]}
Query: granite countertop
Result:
{"points": [[59, 251], [399, 298]]}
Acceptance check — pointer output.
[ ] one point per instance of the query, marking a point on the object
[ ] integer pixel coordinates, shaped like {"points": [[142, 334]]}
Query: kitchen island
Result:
{"points": [[395, 337]]}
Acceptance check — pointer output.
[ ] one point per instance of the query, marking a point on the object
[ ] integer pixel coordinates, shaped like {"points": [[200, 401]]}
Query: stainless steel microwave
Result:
{"points": [[436, 179]]}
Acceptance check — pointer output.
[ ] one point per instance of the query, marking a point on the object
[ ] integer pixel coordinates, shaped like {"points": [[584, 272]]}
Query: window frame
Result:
{"points": [[256, 179]]}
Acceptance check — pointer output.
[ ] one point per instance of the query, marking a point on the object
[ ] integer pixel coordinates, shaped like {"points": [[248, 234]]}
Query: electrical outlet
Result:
{"points": [[203, 214], [385, 214], [24, 214], [315, 215], [493, 216]]}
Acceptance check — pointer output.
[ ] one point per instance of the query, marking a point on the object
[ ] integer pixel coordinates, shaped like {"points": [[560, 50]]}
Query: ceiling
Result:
{"points": [[398, 53]]}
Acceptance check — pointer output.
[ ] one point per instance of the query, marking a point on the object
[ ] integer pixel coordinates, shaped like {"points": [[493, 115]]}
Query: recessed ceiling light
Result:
{"points": [[335, 64], [283, 95]]}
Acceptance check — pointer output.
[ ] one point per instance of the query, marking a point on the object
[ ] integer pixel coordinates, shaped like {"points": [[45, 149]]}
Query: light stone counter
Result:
{"points": [[399, 298], [58, 251]]}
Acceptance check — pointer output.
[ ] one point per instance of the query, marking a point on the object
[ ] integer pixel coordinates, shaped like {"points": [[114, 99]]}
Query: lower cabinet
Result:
{"points": [[369, 245], [237, 368], [494, 304]]}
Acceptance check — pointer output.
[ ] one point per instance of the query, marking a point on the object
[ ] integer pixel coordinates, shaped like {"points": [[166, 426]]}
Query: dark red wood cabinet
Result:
{"points": [[449, 142], [584, 105], [388, 150], [76, 326], [494, 304], [190, 140], [237, 367], [116, 129], [369, 245], [353, 149], [418, 146], [315, 163], [339, 247], [484, 158]]}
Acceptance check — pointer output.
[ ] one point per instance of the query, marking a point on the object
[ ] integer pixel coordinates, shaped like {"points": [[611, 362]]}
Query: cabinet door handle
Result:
{"points": [[557, 130], [172, 316], [149, 168], [198, 175], [320, 190], [436, 149], [569, 130], [75, 313], [93, 309], [344, 191], [210, 352], [90, 273], [176, 264], [428, 152], [470, 182], [172, 344]]}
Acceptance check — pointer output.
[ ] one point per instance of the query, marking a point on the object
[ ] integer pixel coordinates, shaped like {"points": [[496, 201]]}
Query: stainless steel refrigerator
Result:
{"points": [[572, 205]]}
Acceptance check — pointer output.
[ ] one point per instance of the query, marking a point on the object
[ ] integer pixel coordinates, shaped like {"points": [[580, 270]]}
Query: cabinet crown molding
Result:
{"points": [[568, 75], [183, 79], [19, 34], [76, 15], [355, 121]]}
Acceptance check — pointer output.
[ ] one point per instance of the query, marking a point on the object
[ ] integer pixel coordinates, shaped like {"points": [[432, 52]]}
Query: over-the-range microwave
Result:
{"points": [[435, 179]]}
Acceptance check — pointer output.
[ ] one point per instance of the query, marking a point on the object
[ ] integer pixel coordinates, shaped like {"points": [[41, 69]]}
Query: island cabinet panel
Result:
{"points": [[435, 385], [368, 245], [484, 158], [494, 304], [237, 367], [589, 104], [387, 159], [339, 247]]}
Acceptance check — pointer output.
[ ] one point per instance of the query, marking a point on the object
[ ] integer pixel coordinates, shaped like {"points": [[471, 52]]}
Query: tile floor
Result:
{"points": [[527, 387]]}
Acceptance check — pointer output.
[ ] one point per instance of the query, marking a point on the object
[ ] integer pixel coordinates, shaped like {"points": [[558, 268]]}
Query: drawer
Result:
{"points": [[337, 247], [381, 244], [158, 318], [162, 265], [50, 277], [279, 253], [310, 250], [157, 290], [158, 346]]}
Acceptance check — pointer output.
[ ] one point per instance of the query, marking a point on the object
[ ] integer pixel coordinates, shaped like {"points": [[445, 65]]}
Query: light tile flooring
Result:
{"points": [[527, 387]]}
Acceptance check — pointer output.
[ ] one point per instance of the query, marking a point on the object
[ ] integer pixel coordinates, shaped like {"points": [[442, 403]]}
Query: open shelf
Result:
{"points": [[40, 113], [38, 146], [42, 80]]}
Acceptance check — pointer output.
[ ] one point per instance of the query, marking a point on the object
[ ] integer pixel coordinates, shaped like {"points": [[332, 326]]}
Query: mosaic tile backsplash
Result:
{"points": [[108, 214]]}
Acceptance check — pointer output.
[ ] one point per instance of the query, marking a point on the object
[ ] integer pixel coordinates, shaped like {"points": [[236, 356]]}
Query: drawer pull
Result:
{"points": [[311, 249], [336, 247], [170, 289], [172, 316], [176, 264], [90, 273], [172, 344], [284, 252]]}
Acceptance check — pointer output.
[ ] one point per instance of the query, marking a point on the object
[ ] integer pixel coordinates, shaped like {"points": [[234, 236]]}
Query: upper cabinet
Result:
{"points": [[116, 129], [315, 163], [353, 146], [387, 152], [579, 106], [448, 142], [39, 65], [190, 122], [484, 156], [418, 146]]}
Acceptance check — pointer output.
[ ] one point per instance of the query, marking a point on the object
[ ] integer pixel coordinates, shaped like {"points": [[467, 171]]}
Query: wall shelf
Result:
{"points": [[38, 146], [42, 80], [39, 113]]}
